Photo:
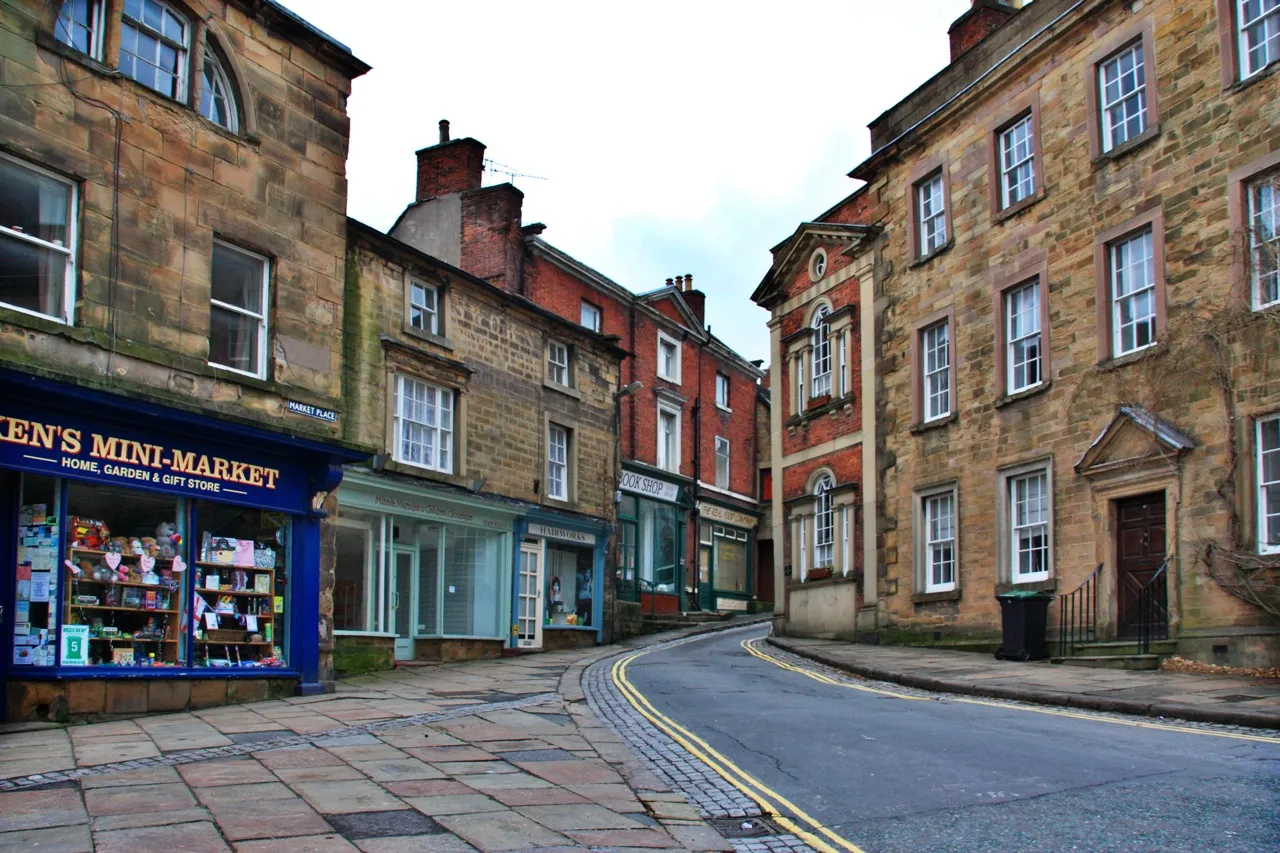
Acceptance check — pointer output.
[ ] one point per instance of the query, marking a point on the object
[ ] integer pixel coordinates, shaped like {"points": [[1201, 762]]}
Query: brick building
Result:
{"points": [[172, 228], [687, 485], [1076, 384], [489, 505]]}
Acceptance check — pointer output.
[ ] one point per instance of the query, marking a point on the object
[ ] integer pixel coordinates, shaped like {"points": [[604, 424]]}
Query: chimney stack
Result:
{"points": [[444, 131], [452, 166], [983, 18], [695, 299], [670, 283]]}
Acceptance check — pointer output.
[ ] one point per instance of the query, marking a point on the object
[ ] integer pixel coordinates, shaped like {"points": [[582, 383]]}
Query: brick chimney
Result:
{"points": [[695, 299], [452, 166], [983, 18]]}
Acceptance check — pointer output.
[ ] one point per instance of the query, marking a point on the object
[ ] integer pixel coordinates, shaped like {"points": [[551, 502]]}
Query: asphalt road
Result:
{"points": [[936, 775]]}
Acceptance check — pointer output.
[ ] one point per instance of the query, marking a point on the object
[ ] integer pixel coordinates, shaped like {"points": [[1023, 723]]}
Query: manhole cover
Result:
{"points": [[742, 827]]}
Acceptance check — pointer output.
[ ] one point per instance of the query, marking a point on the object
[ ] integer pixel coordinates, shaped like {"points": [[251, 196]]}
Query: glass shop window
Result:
{"points": [[731, 559], [35, 620], [124, 571], [705, 545], [241, 587], [472, 577], [659, 539], [570, 585], [354, 590], [429, 553]]}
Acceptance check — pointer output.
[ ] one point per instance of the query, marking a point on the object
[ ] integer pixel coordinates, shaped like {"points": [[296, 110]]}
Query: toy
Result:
{"points": [[150, 547], [168, 540], [116, 545], [239, 580], [88, 533], [103, 574], [150, 578], [135, 547]]}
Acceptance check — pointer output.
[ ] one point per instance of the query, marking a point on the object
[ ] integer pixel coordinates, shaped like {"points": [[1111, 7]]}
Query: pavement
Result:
{"points": [[1225, 700], [485, 756]]}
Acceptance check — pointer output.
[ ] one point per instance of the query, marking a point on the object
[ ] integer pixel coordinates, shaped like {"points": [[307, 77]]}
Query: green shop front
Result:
{"points": [[653, 508], [726, 545]]}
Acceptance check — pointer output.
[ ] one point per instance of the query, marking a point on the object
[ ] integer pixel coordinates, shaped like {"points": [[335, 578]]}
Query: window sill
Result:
{"points": [[1025, 393], [345, 633], [816, 411], [1153, 351], [924, 259], [430, 337], [834, 580], [1127, 147], [934, 597], [562, 389], [1262, 74], [675, 381], [724, 409], [926, 426], [48, 42], [1050, 585], [1014, 209]]}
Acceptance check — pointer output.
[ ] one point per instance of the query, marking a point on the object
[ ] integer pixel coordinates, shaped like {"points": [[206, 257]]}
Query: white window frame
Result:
{"points": [[1265, 510], [212, 63], [432, 325], [586, 311], [821, 373], [1012, 338], [804, 550], [1014, 544], [937, 373], [183, 48], [1115, 273], [664, 460], [1110, 71], [264, 339], [1269, 20], [1012, 162], [559, 364], [824, 524], [842, 348], [1261, 223], [665, 339], [931, 214], [558, 442], [95, 26], [722, 392], [67, 316], [845, 555], [722, 458], [799, 385], [443, 436], [933, 541]]}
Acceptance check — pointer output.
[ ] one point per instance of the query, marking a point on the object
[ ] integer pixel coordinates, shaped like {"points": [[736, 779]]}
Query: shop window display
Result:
{"points": [[570, 576], [35, 626]]}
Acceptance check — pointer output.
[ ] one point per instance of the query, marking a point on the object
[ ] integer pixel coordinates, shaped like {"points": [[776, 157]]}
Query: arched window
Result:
{"points": [[823, 524], [217, 98], [79, 25], [821, 352], [153, 47]]}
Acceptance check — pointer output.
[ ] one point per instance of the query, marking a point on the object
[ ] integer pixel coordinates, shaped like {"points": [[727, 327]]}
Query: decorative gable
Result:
{"points": [[1134, 438]]}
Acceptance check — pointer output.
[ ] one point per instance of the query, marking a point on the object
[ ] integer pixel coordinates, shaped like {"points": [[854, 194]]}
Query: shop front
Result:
{"points": [[651, 523], [152, 559], [726, 543], [559, 593], [423, 572]]}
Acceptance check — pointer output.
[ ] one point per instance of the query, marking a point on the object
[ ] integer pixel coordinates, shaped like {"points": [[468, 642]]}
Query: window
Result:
{"points": [[424, 307], [217, 100], [940, 542], [238, 310], [668, 358], [591, 316], [558, 364], [799, 385], [821, 352], [558, 462], [1258, 22], [37, 241], [722, 462], [931, 211], [1017, 162], [722, 391], [1133, 297], [668, 439], [842, 348], [153, 47], [1122, 90], [423, 425], [845, 544], [823, 524], [79, 25], [817, 264], [1269, 485], [1029, 526], [1022, 336], [1264, 240], [937, 371]]}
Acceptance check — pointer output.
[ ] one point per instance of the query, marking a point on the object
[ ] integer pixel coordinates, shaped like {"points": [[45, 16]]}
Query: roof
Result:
{"points": [[338, 52], [787, 250]]}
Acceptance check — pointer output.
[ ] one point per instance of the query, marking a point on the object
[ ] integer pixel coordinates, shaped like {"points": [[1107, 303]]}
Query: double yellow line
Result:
{"points": [[773, 804]]}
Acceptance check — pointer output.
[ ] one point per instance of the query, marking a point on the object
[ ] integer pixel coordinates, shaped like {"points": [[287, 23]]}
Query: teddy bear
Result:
{"points": [[88, 533], [168, 540]]}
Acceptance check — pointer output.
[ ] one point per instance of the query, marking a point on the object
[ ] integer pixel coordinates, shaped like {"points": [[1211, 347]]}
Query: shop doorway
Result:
{"points": [[1140, 554], [529, 618], [404, 569]]}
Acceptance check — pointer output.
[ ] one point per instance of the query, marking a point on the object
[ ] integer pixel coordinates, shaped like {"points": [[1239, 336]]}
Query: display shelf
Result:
{"points": [[127, 640], [233, 643], [97, 553], [234, 591], [75, 606], [123, 583], [207, 565]]}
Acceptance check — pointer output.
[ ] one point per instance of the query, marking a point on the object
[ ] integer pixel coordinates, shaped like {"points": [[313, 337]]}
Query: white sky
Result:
{"points": [[674, 137]]}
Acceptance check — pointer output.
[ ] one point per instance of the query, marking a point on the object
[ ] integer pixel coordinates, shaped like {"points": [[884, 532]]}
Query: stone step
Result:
{"points": [[1111, 661], [1126, 647]]}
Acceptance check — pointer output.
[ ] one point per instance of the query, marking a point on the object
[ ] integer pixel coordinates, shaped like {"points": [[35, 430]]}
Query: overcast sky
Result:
{"points": [[672, 138]]}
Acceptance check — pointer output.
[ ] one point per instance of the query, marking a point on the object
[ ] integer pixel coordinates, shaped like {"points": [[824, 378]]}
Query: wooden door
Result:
{"points": [[1140, 551]]}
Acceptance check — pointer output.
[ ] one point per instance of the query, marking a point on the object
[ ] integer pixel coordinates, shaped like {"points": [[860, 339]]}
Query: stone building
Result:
{"points": [[483, 521], [1075, 335], [172, 235], [687, 485]]}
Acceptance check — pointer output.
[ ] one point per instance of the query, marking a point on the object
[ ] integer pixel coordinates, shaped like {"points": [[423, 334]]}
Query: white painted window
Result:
{"points": [[1122, 94], [937, 371], [845, 512], [558, 363], [940, 542], [238, 303], [823, 524], [668, 439], [217, 98], [1269, 485], [1264, 240], [1017, 162], [423, 425], [843, 349], [1029, 524], [590, 316], [799, 386], [802, 526], [722, 391], [1022, 335], [668, 358], [1259, 31], [153, 47], [1133, 293], [722, 462], [424, 307], [558, 462], [821, 352], [37, 241], [80, 25], [931, 210]]}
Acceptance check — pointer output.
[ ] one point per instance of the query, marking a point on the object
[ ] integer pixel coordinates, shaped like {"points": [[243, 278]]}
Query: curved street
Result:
{"points": [[904, 770]]}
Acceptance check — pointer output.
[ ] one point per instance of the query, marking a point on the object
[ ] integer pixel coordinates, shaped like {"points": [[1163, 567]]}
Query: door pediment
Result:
{"points": [[1134, 439]]}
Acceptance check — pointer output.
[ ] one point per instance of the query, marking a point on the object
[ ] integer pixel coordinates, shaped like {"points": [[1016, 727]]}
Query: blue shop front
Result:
{"points": [[152, 558], [559, 581]]}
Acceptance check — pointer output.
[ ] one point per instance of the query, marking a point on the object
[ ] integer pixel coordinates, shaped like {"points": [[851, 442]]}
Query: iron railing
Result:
{"points": [[1078, 615], [1153, 611]]}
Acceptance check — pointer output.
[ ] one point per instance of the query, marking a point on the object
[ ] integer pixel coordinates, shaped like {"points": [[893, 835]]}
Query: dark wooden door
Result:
{"points": [[1140, 551]]}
